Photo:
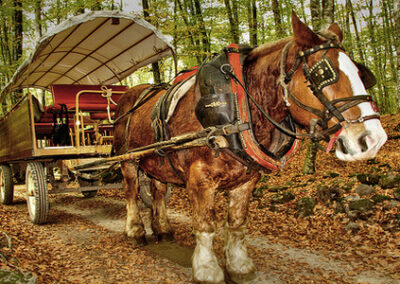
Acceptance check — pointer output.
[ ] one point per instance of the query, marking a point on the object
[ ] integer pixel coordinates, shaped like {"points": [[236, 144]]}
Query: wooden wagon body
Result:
{"points": [[82, 62]]}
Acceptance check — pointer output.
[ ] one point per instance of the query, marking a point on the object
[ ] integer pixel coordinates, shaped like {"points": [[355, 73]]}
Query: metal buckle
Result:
{"points": [[226, 69], [224, 130]]}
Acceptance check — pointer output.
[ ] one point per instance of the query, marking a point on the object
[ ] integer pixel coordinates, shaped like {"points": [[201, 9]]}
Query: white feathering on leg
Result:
{"points": [[204, 262], [237, 260]]}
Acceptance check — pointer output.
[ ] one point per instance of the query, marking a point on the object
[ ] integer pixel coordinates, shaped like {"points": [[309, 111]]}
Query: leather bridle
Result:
{"points": [[319, 75]]}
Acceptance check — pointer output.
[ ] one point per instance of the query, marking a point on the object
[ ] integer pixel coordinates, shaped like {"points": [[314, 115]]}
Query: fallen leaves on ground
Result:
{"points": [[72, 250]]}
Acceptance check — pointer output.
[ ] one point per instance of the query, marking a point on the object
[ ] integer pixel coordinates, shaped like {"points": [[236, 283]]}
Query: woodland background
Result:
{"points": [[198, 28]]}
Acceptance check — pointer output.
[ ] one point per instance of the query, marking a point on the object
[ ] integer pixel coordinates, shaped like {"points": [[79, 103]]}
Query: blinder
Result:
{"points": [[323, 73], [367, 77]]}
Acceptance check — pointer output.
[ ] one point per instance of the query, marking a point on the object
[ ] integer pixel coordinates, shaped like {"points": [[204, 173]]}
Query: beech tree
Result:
{"points": [[199, 28]]}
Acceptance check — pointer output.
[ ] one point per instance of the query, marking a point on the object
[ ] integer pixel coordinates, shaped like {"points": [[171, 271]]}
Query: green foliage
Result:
{"points": [[198, 31]]}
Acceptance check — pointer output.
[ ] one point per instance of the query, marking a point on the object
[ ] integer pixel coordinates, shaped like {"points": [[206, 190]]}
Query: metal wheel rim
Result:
{"points": [[30, 194], [2, 185]]}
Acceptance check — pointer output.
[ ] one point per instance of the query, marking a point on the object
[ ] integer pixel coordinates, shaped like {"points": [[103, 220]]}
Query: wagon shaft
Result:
{"points": [[218, 141]]}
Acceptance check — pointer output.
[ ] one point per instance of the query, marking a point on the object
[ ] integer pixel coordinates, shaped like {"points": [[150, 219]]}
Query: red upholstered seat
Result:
{"points": [[47, 116], [46, 128], [66, 94]]}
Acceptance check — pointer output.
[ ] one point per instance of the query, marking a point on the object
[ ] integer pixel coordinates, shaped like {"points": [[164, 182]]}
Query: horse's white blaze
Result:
{"points": [[237, 260], [204, 262], [375, 135]]}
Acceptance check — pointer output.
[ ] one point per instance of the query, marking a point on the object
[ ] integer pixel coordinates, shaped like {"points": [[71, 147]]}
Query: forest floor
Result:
{"points": [[83, 241]]}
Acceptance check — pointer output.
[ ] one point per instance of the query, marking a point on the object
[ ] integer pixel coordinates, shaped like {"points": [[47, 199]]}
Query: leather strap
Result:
{"points": [[249, 143]]}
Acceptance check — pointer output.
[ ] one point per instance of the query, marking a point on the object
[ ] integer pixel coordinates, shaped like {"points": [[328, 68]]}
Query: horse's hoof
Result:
{"points": [[241, 278], [207, 282], [137, 241], [141, 241], [166, 237], [208, 275], [151, 239]]}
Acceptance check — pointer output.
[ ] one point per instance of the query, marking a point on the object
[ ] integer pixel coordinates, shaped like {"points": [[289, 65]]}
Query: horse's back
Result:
{"points": [[125, 103]]}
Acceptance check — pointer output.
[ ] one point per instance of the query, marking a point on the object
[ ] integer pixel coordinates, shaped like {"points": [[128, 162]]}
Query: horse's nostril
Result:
{"points": [[342, 146], [363, 142]]}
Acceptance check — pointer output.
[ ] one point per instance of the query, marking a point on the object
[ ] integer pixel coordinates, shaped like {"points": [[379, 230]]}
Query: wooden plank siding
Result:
{"points": [[16, 134]]}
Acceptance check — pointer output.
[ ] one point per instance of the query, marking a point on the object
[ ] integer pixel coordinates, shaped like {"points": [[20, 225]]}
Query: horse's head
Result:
{"points": [[323, 86]]}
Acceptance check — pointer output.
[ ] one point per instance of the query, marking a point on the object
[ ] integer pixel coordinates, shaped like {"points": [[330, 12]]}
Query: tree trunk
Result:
{"points": [[379, 68], [315, 10], [311, 156], [203, 32], [155, 68], [303, 12], [18, 42], [232, 13], [277, 19], [252, 20], [358, 41], [5, 42], [390, 55], [348, 38], [38, 17], [17, 30], [396, 14], [38, 26], [328, 11]]}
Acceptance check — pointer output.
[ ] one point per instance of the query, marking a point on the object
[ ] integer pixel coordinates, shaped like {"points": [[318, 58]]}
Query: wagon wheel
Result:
{"points": [[145, 190], [37, 193], [6, 185]]}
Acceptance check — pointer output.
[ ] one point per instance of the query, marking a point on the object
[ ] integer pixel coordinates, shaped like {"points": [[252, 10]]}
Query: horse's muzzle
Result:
{"points": [[362, 146]]}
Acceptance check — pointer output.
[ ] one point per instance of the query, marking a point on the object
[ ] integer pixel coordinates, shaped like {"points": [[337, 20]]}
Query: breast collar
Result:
{"points": [[247, 137]]}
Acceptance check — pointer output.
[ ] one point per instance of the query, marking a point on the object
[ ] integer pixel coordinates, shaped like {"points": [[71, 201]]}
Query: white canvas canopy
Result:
{"points": [[95, 48]]}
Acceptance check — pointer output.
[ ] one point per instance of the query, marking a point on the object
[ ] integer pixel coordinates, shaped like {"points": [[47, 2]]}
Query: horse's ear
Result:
{"points": [[336, 30], [303, 35]]}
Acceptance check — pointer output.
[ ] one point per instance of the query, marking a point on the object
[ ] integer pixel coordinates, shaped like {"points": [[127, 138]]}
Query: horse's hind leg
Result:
{"points": [[160, 223], [201, 190], [134, 226], [238, 264]]}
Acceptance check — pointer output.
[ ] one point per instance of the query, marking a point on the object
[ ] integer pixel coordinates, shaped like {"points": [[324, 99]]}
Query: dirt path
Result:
{"points": [[84, 243]]}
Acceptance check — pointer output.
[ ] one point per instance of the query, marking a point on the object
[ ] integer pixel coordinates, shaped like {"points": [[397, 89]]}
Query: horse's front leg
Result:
{"points": [[160, 223], [134, 226], [238, 263], [201, 190]]}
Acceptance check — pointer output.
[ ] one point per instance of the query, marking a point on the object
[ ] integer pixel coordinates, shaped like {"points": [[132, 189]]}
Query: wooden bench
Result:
{"points": [[79, 99]]}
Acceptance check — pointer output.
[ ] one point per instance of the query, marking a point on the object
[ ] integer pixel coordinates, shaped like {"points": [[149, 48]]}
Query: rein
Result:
{"points": [[320, 75]]}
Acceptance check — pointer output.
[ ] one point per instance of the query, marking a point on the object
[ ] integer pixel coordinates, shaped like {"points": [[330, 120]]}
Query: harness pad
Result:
{"points": [[218, 104], [165, 107]]}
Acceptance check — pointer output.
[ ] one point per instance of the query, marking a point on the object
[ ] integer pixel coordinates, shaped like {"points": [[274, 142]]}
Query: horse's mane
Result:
{"points": [[261, 74], [268, 48]]}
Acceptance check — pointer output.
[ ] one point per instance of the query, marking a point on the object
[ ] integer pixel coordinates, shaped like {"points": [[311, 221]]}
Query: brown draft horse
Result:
{"points": [[203, 173]]}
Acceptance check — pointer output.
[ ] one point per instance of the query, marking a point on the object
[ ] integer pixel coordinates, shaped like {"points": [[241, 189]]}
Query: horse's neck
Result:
{"points": [[261, 79]]}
